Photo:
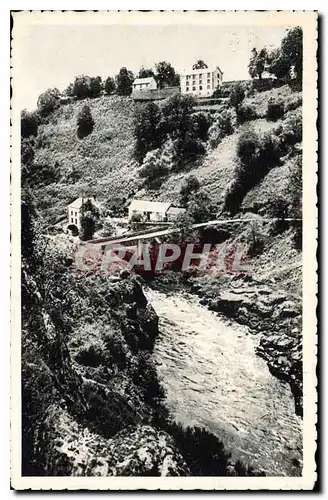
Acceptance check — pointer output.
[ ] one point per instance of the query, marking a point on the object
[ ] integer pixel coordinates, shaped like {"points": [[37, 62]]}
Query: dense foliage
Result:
{"points": [[85, 122]]}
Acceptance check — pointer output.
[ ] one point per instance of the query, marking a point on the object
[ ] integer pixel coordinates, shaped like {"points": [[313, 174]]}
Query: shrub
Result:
{"points": [[85, 122], [255, 241], [200, 208], [147, 130], [156, 165], [237, 96], [124, 82], [246, 112], [190, 185], [202, 123], [278, 208], [85, 86], [224, 124], [29, 123], [48, 102], [293, 102], [275, 110], [248, 146], [109, 85], [291, 131]]}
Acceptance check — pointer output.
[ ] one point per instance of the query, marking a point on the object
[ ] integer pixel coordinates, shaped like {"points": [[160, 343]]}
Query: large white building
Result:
{"points": [[141, 84], [201, 82]]}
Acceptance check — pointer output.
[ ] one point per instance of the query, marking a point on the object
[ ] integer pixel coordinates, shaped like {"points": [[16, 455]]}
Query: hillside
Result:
{"points": [[106, 399], [102, 164]]}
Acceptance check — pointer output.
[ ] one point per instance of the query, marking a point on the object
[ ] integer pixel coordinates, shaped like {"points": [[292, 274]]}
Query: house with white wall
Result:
{"points": [[75, 212], [154, 211], [141, 84], [201, 82]]}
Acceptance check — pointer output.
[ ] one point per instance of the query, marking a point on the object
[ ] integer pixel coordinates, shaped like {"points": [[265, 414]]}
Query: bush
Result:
{"points": [[156, 165], [48, 102], [278, 208], [85, 86], [29, 123], [293, 102], [147, 130], [246, 112], [85, 122], [190, 185], [237, 96], [202, 123], [109, 85], [124, 82], [275, 110], [255, 241], [248, 146], [292, 128], [224, 124]]}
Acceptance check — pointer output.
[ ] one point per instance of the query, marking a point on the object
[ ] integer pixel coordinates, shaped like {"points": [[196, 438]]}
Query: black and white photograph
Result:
{"points": [[163, 221]]}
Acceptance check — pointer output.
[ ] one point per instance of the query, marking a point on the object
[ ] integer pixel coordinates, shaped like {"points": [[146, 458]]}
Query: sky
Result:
{"points": [[52, 55]]}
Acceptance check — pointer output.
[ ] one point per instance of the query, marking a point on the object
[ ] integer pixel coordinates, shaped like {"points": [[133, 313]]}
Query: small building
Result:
{"points": [[201, 82], [75, 212], [174, 212], [142, 84], [154, 211]]}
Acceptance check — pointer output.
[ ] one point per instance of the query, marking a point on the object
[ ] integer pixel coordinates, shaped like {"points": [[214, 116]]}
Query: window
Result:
{"points": [[208, 86], [75, 214], [208, 80], [76, 221], [187, 88], [208, 75], [194, 88], [200, 87], [72, 220], [71, 212]]}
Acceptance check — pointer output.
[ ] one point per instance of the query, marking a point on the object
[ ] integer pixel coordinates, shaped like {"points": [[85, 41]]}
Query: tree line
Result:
{"points": [[284, 62]]}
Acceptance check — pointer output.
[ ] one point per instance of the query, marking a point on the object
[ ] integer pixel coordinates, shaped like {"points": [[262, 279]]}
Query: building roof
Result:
{"points": [[149, 206], [176, 210], [198, 71], [78, 203], [138, 81]]}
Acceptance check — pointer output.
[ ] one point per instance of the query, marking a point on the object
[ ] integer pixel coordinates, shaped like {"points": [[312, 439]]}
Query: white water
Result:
{"points": [[214, 379]]}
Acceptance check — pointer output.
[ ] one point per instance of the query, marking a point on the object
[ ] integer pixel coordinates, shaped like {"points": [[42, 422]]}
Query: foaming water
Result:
{"points": [[214, 379]]}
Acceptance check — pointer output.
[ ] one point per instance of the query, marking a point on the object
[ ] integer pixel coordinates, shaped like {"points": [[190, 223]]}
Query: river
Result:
{"points": [[214, 379]]}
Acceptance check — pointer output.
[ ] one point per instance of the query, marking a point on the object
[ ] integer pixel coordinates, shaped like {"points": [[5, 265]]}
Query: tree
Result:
{"points": [[237, 96], [190, 185], [292, 50], [85, 86], [89, 220], [81, 87], [200, 64], [288, 58], [48, 102], [147, 130], [165, 75], [145, 73], [278, 65], [29, 123], [200, 208], [95, 86], [85, 122], [109, 85], [124, 82], [258, 63]]}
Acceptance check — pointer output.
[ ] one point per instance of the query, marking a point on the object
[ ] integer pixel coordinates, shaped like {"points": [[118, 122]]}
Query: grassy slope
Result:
{"points": [[102, 162]]}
